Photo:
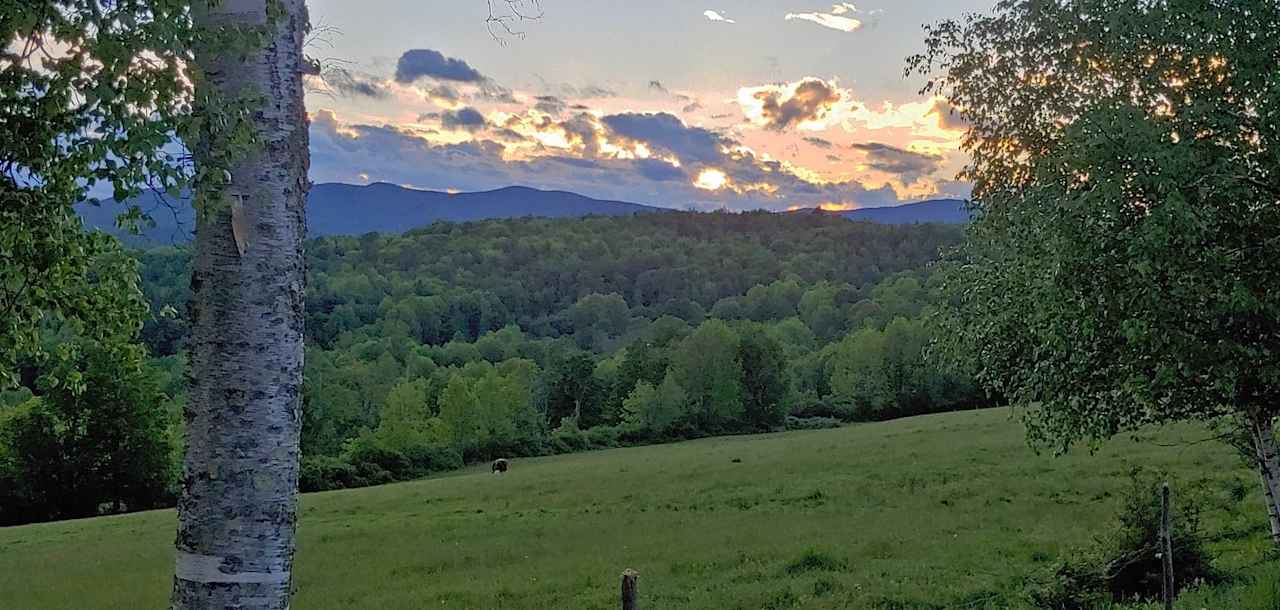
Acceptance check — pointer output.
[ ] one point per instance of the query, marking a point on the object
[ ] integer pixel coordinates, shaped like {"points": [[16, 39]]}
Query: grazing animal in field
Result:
{"points": [[500, 465]]}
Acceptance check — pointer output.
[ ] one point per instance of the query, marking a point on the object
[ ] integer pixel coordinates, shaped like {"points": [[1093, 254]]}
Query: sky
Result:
{"points": [[733, 104]]}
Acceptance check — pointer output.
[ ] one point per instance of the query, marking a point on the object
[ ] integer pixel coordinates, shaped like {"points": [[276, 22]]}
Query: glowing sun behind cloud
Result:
{"points": [[711, 179]]}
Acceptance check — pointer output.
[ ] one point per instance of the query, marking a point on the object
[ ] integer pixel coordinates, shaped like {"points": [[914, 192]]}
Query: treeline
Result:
{"points": [[452, 282], [462, 342], [93, 429], [379, 402]]}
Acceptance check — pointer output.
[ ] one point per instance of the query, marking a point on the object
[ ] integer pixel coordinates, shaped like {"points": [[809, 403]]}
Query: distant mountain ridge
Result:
{"points": [[348, 209], [944, 211]]}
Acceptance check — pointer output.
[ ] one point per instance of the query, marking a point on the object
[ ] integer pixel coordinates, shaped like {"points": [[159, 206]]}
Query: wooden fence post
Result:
{"points": [[1166, 547], [630, 580]]}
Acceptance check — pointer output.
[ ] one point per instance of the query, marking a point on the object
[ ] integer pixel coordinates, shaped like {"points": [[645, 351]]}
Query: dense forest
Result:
{"points": [[456, 343]]}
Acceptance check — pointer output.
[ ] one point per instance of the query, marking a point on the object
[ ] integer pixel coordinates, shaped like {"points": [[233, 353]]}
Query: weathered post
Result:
{"points": [[1166, 546], [630, 580]]}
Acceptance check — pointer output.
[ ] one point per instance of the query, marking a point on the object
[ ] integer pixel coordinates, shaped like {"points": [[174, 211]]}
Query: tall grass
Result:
{"points": [[946, 511]]}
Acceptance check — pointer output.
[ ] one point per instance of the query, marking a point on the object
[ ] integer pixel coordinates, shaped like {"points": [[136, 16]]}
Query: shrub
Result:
{"points": [[568, 439], [1124, 564], [823, 587], [602, 437], [808, 405], [430, 459], [326, 473], [814, 560], [526, 446], [782, 600], [1134, 568], [812, 423], [365, 463], [369, 458], [1076, 582], [633, 434]]}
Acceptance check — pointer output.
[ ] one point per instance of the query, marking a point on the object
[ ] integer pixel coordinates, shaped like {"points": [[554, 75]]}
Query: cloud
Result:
{"points": [[690, 104], [835, 158], [909, 166], [466, 119], [508, 135], [593, 91], [346, 83], [444, 92], [490, 91], [659, 171], [714, 172], [541, 134], [667, 132], [837, 19], [583, 131], [819, 142], [341, 152], [954, 189], [716, 16], [443, 95], [920, 118], [780, 107], [569, 91], [419, 63], [550, 104], [948, 117]]}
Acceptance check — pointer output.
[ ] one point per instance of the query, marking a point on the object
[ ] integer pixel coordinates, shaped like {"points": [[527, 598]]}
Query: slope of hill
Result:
{"points": [[948, 211], [346, 209], [948, 511]]}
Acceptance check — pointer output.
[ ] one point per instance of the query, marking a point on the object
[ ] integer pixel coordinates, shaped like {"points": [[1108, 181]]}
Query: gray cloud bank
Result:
{"points": [[351, 152]]}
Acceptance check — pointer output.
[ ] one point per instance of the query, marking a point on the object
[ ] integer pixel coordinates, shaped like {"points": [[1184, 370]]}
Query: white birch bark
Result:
{"points": [[237, 510]]}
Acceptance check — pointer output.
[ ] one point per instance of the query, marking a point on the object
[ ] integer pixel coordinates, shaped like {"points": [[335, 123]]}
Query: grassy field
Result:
{"points": [[947, 511]]}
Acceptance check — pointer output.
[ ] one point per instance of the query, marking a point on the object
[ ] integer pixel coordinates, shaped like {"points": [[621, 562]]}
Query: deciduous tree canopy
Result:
{"points": [[1123, 269]]}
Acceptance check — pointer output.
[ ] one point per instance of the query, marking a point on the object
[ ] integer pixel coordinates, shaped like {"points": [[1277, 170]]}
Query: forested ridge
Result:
{"points": [[1117, 277], [463, 342]]}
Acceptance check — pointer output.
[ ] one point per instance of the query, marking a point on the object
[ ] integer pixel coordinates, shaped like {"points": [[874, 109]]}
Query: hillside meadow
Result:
{"points": [[940, 511]]}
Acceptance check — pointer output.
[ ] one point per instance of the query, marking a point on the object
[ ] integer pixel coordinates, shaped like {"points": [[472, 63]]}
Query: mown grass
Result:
{"points": [[946, 511]]}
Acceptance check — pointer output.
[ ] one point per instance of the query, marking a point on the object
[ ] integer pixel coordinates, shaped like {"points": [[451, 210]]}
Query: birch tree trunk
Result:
{"points": [[237, 512], [1264, 446]]}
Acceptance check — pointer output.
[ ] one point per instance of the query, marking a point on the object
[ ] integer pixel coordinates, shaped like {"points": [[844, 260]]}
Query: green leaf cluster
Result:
{"points": [[1123, 271]]}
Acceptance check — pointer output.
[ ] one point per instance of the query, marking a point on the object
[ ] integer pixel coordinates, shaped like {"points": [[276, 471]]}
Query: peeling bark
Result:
{"points": [[1264, 445], [237, 512]]}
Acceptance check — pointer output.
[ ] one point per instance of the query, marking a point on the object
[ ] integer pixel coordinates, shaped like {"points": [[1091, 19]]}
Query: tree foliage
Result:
{"points": [[765, 387], [92, 95], [101, 445], [509, 338], [1124, 162], [706, 365], [459, 282]]}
